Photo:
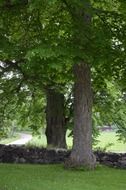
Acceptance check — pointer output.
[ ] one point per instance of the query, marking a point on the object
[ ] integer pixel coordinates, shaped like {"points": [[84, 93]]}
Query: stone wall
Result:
{"points": [[21, 154], [117, 160]]}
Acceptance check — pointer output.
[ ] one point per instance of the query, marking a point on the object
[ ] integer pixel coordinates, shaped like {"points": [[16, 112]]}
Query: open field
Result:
{"points": [[104, 139], [55, 177], [9, 140], [110, 138]]}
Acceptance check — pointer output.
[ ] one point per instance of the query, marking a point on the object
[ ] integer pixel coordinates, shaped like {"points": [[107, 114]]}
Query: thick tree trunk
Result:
{"points": [[55, 120], [82, 155]]}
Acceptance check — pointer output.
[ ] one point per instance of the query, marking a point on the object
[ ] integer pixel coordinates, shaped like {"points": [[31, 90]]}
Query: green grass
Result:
{"points": [[110, 137], [9, 140], [55, 177], [38, 141], [105, 138]]}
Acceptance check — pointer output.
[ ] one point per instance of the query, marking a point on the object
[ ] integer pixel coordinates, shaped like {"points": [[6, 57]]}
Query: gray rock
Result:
{"points": [[22, 160]]}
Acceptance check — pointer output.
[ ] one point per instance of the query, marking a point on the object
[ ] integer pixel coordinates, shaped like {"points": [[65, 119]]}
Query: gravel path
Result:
{"points": [[24, 138]]}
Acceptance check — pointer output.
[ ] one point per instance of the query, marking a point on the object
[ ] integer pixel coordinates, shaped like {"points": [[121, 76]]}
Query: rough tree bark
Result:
{"points": [[82, 155], [55, 120]]}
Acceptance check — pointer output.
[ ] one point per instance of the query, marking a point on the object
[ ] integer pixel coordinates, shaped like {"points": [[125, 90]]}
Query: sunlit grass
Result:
{"points": [[38, 141], [105, 138], [9, 140]]}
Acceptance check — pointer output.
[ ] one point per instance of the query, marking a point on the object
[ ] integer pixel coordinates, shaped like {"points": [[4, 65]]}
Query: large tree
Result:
{"points": [[93, 22], [80, 35]]}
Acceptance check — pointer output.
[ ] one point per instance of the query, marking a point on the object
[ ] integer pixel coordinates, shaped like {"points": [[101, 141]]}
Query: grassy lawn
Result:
{"points": [[105, 138], [39, 141], [9, 140], [55, 177], [110, 137]]}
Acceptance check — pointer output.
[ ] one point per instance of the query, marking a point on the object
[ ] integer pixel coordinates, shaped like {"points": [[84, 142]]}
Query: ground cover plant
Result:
{"points": [[54, 177]]}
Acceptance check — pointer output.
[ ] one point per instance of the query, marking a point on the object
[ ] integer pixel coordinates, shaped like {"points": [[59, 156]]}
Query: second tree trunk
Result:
{"points": [[55, 120]]}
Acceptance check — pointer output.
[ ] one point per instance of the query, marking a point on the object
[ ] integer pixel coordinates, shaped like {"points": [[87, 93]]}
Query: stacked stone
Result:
{"points": [[22, 154]]}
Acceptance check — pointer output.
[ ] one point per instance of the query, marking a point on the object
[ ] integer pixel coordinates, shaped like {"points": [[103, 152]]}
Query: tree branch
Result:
{"points": [[9, 5]]}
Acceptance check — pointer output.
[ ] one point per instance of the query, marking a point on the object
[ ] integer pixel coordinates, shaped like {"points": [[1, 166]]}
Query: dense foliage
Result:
{"points": [[40, 41]]}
